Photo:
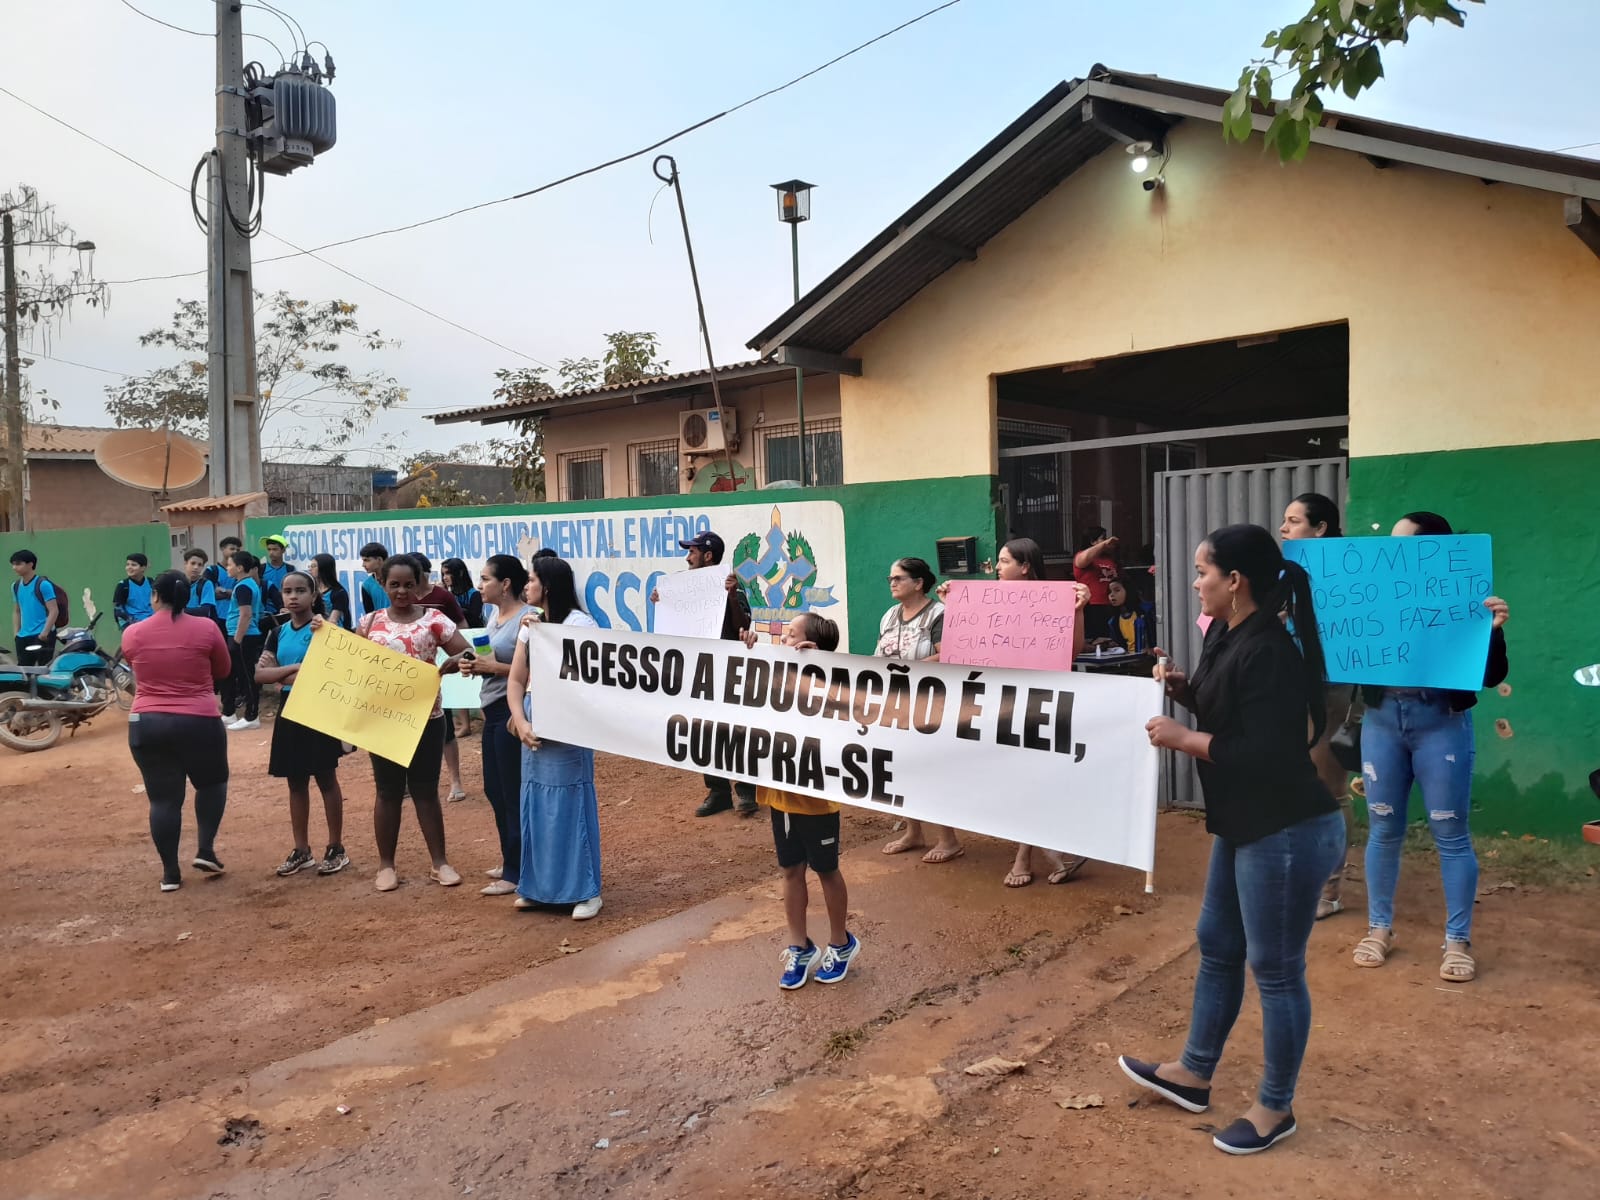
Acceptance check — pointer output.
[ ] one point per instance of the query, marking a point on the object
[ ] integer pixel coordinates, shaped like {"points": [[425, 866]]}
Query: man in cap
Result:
{"points": [[273, 571], [705, 550]]}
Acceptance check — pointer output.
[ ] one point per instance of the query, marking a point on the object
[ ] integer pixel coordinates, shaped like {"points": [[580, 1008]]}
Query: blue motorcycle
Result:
{"points": [[80, 682]]}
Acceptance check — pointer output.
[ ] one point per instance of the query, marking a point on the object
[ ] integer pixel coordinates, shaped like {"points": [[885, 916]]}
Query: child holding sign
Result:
{"points": [[805, 830], [300, 753], [418, 632]]}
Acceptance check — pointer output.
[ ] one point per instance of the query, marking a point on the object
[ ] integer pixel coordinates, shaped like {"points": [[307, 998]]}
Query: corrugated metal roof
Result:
{"points": [[1043, 147], [213, 503], [655, 383], [70, 439]]}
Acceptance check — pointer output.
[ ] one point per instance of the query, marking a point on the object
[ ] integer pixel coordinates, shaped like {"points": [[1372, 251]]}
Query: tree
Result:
{"points": [[296, 373], [628, 358], [1337, 44]]}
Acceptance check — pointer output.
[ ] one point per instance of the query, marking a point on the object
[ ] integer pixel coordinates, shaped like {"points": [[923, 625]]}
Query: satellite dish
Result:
{"points": [[153, 460]]}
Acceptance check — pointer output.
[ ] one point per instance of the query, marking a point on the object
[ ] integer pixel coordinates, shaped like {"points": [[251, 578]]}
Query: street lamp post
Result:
{"points": [[794, 206]]}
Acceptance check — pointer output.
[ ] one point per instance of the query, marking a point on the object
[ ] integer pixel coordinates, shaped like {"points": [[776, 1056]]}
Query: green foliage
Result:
{"points": [[296, 373], [1337, 45], [628, 357]]}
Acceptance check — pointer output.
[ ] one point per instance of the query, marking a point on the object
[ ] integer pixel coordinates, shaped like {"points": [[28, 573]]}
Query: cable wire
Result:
{"points": [[610, 162], [168, 24], [151, 171]]}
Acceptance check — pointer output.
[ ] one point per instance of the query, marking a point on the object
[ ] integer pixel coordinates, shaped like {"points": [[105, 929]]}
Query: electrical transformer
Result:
{"points": [[293, 119]]}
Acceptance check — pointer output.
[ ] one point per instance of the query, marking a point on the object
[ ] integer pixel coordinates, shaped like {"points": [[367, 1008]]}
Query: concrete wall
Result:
{"points": [[1472, 309], [614, 430], [82, 560], [77, 494]]}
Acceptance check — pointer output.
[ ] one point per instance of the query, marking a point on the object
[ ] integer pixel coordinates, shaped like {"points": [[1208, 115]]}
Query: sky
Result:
{"points": [[446, 105]]}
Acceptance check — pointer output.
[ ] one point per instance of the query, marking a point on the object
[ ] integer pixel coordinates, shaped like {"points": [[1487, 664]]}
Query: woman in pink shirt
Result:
{"points": [[174, 731]]}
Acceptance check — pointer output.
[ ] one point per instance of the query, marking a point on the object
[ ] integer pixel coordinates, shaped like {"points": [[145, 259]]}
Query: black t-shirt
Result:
{"points": [[1249, 694], [735, 615]]}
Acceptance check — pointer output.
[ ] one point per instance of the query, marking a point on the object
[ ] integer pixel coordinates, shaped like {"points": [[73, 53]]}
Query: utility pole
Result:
{"points": [[16, 452], [234, 403]]}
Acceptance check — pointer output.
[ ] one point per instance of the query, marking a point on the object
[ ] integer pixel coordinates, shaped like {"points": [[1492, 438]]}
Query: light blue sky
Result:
{"points": [[442, 105]]}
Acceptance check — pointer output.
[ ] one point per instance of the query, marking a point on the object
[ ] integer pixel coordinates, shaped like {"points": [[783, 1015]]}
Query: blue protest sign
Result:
{"points": [[1401, 611]]}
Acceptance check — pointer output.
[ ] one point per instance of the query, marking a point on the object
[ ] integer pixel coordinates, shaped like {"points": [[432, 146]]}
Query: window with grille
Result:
{"points": [[583, 475], [653, 468], [1035, 488], [778, 453]]}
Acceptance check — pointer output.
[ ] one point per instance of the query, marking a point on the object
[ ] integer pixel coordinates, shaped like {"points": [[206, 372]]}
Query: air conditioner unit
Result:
{"points": [[702, 431]]}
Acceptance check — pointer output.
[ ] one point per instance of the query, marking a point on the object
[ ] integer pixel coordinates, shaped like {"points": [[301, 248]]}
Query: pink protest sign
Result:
{"points": [[1025, 623]]}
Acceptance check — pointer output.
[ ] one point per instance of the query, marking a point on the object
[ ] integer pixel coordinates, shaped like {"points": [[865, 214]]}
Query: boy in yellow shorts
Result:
{"points": [[805, 830]]}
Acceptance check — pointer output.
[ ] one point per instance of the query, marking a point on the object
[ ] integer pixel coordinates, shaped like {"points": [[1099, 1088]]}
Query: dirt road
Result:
{"points": [[478, 1058]]}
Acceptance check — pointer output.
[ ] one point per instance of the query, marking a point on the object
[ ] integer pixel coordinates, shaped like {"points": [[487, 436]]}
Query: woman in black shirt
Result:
{"points": [[1277, 829]]}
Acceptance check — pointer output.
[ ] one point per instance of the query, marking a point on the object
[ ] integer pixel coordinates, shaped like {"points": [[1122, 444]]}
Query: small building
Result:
{"points": [[663, 436], [68, 490], [294, 488]]}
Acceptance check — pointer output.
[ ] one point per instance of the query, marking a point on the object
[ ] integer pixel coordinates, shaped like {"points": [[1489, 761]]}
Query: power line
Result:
{"points": [[84, 366], [1583, 146], [611, 162], [168, 24], [151, 171]]}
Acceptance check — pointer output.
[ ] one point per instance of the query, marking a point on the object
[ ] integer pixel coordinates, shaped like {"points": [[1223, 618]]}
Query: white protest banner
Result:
{"points": [[1050, 758], [788, 557], [692, 603]]}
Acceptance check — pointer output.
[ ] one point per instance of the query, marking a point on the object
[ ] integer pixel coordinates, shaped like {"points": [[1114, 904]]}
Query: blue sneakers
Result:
{"points": [[836, 960], [1241, 1137], [797, 965]]}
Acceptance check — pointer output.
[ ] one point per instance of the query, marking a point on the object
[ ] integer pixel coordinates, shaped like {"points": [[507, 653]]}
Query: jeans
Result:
{"points": [[1414, 737], [1260, 904], [502, 783], [240, 689], [169, 749]]}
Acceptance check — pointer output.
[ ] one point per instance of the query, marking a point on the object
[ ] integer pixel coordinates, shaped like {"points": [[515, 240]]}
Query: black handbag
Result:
{"points": [[1346, 740]]}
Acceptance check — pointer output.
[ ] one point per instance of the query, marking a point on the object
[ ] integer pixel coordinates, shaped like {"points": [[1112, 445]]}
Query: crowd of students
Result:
{"points": [[202, 642]]}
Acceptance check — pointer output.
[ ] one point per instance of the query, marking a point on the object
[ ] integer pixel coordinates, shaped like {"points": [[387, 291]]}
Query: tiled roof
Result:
{"points": [[653, 383], [70, 439], [213, 503]]}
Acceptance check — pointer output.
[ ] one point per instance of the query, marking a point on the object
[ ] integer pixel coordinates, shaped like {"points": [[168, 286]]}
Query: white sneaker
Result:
{"points": [[500, 887], [494, 872], [231, 722], [589, 908], [241, 723]]}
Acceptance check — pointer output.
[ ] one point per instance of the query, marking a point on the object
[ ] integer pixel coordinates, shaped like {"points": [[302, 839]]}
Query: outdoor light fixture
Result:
{"points": [[1140, 153], [794, 201]]}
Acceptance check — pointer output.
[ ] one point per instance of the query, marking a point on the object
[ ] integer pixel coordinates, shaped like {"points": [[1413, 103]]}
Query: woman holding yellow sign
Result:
{"points": [[419, 633]]}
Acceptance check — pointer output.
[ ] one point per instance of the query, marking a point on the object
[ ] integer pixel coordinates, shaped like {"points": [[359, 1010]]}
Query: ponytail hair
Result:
{"points": [[316, 596], [1429, 522], [172, 587], [1278, 585], [1320, 511]]}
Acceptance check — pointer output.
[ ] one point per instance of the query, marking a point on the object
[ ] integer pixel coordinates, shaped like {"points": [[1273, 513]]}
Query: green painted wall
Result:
{"points": [[882, 522], [1536, 502], [85, 558]]}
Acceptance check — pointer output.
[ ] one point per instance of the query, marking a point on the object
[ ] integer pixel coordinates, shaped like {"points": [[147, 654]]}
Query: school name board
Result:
{"points": [[922, 740], [1401, 611], [789, 558]]}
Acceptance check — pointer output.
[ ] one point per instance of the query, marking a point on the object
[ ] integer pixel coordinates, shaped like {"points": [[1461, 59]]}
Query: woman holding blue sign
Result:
{"points": [[1424, 736], [1276, 831]]}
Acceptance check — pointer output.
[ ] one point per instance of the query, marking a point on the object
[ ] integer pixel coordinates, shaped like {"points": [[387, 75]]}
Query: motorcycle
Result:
{"points": [[79, 683]]}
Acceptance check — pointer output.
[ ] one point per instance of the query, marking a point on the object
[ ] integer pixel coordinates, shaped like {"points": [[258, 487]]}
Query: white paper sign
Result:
{"points": [[1054, 759], [692, 603]]}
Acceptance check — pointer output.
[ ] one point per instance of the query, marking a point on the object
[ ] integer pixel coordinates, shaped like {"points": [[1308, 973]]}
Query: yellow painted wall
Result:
{"points": [[616, 429], [1474, 314]]}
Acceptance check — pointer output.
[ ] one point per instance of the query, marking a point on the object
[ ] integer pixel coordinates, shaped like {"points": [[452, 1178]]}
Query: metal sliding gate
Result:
{"points": [[1189, 505]]}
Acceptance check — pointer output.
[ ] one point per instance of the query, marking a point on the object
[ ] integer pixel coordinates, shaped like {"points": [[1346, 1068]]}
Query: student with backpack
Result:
{"points": [[130, 602], [217, 572], [38, 609], [273, 570], [244, 629]]}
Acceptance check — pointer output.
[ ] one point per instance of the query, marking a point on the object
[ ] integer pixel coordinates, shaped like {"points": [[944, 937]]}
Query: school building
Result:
{"points": [[1058, 336]]}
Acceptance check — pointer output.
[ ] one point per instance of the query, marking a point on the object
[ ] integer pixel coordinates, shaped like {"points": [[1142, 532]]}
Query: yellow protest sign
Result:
{"points": [[363, 693]]}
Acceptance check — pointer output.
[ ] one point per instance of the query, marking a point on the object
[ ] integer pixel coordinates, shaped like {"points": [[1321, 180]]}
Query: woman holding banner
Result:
{"points": [[1276, 831], [1412, 735], [419, 632], [912, 631], [1311, 515], [501, 585], [560, 812]]}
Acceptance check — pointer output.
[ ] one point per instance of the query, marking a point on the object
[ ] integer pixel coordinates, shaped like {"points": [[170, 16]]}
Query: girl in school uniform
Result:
{"points": [[300, 753]]}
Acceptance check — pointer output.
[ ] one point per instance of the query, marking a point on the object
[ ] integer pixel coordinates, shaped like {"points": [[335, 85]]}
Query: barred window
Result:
{"points": [[778, 453], [653, 468], [583, 475]]}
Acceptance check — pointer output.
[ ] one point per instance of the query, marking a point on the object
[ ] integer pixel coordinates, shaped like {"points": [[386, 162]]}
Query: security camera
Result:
{"points": [[1152, 183]]}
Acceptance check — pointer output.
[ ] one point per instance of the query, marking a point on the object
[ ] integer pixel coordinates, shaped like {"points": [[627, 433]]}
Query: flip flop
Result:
{"points": [[936, 855], [901, 846], [1019, 879], [1066, 871]]}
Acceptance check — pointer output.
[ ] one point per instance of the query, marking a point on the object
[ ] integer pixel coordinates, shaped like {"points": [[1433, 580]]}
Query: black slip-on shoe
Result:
{"points": [[1241, 1137], [1196, 1100], [714, 804]]}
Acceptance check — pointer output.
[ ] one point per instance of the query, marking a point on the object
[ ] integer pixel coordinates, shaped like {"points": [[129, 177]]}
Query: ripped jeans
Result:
{"points": [[1413, 736]]}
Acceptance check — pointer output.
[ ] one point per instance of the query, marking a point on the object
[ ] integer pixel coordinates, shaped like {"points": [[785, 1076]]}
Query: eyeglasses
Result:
{"points": [[899, 579]]}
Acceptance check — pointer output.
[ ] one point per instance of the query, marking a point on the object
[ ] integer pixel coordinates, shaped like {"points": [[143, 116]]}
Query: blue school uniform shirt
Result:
{"points": [[136, 600], [31, 598], [202, 598], [373, 597], [289, 645], [272, 578], [250, 592]]}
